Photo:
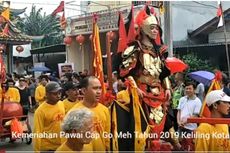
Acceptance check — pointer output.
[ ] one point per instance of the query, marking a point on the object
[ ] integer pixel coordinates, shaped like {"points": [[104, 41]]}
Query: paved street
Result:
{"points": [[18, 145]]}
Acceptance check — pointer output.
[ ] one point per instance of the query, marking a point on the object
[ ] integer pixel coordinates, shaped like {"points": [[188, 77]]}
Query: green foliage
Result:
{"points": [[36, 24], [195, 63]]}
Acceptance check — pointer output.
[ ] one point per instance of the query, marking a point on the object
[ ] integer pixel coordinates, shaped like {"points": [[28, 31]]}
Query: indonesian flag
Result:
{"points": [[60, 8], [220, 14], [97, 61]]}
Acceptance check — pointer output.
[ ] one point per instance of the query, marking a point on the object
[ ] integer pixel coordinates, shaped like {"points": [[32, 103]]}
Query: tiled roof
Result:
{"points": [[13, 11], [14, 35]]}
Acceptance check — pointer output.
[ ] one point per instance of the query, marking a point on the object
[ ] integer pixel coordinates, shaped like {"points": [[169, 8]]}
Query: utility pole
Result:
{"points": [[226, 41], [168, 36]]}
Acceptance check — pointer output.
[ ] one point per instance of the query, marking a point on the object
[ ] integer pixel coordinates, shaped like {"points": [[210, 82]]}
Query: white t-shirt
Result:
{"points": [[189, 108], [115, 87], [200, 91]]}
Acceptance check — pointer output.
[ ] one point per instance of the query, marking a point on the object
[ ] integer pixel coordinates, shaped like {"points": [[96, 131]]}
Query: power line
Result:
{"points": [[206, 4], [193, 6]]}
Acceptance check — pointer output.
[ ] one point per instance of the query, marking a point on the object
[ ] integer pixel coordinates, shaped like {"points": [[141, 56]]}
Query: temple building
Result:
{"points": [[10, 35]]}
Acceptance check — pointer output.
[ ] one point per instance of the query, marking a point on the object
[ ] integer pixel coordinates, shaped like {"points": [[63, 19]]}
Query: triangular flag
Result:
{"points": [[205, 112], [60, 8], [122, 42], [130, 26]]}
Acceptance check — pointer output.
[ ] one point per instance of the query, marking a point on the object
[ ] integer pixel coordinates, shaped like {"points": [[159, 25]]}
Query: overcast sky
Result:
{"points": [[47, 6]]}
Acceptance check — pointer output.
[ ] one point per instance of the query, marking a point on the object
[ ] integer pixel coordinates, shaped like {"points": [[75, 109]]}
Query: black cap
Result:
{"points": [[52, 87], [70, 85]]}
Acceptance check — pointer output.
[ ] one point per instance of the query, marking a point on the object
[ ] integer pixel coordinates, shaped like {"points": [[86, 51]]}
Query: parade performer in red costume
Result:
{"points": [[142, 65]]}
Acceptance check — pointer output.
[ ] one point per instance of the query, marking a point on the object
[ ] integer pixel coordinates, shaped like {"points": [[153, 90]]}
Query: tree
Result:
{"points": [[45, 27], [195, 63]]}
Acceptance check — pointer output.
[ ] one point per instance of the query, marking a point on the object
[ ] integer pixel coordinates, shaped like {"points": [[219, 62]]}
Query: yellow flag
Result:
{"points": [[6, 13], [97, 61], [205, 112]]}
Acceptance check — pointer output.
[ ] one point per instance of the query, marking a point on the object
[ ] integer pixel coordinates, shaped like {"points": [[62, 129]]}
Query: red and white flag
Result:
{"points": [[220, 14]]}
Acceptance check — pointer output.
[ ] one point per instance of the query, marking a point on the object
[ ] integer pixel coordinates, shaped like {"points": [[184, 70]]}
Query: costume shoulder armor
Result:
{"points": [[133, 47]]}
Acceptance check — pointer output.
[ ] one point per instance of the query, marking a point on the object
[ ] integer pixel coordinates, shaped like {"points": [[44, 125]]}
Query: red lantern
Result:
{"points": [[19, 49], [67, 40], [80, 39]]}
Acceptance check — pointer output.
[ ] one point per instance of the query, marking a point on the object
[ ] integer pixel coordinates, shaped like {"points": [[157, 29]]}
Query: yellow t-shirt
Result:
{"points": [[102, 123], [40, 93], [47, 123], [63, 148], [212, 138], [11, 95], [68, 104]]}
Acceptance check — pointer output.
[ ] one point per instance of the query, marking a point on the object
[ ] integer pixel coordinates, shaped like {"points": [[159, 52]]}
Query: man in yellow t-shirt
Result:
{"points": [[91, 88], [47, 120], [77, 125], [71, 90], [11, 93], [40, 90], [214, 137]]}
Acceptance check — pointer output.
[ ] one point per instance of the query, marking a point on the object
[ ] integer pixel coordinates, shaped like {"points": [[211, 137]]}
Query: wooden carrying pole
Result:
{"points": [[209, 120], [109, 60], [3, 91]]}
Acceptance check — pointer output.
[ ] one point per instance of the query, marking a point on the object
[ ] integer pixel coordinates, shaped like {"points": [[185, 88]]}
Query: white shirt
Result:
{"points": [[115, 87], [189, 107], [200, 91]]}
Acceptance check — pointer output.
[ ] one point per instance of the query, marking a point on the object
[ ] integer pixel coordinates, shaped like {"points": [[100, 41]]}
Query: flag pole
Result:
{"points": [[3, 91], [109, 60], [226, 43]]}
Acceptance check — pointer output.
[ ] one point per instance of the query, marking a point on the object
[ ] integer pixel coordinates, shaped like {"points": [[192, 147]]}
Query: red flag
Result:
{"points": [[130, 26], [60, 8], [97, 61], [122, 42], [220, 14]]}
